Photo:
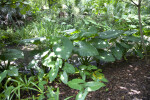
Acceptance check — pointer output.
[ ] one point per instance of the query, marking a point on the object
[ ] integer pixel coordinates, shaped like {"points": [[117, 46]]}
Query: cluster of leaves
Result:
{"points": [[88, 42], [89, 45], [13, 12]]}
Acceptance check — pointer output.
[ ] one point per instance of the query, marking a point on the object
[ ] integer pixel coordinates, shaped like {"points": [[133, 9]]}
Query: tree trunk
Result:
{"points": [[141, 32]]}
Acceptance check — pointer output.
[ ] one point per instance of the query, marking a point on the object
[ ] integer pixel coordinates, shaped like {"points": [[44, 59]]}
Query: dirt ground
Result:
{"points": [[128, 80]]}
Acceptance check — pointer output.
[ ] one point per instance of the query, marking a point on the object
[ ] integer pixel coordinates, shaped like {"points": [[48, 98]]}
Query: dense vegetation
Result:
{"points": [[68, 36]]}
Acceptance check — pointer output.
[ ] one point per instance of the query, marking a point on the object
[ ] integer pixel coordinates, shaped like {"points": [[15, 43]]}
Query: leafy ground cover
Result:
{"points": [[128, 79], [72, 50]]}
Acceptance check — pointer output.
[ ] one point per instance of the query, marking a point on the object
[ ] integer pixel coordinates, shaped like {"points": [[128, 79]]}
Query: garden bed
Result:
{"points": [[128, 80]]}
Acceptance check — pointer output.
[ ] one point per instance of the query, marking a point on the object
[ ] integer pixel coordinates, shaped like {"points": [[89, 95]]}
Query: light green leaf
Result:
{"points": [[69, 68], [3, 75], [41, 97], [65, 49], [93, 86], [82, 95], [41, 85], [82, 74], [76, 84], [104, 79], [13, 71], [110, 34], [85, 49], [64, 77], [53, 73]]}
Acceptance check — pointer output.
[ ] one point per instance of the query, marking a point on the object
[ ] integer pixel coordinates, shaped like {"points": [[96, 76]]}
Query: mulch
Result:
{"points": [[128, 80]]}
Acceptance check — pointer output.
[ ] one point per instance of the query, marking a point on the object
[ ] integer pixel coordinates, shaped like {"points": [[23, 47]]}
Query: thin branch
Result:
{"points": [[134, 3], [127, 2]]}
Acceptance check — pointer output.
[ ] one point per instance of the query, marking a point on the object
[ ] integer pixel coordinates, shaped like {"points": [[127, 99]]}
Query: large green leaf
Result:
{"points": [[3, 75], [93, 86], [132, 39], [54, 70], [76, 84], [13, 71], [117, 52], [85, 49], [69, 68], [64, 77], [99, 43], [11, 54], [110, 34], [130, 32], [65, 49], [105, 56]]}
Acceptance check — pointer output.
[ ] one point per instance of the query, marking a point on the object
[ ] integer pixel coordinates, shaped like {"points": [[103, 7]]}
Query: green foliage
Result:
{"points": [[105, 30], [69, 68], [11, 54], [85, 49], [110, 34], [12, 11], [63, 50]]}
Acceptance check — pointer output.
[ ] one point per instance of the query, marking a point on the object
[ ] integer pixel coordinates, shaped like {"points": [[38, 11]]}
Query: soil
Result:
{"points": [[128, 80]]}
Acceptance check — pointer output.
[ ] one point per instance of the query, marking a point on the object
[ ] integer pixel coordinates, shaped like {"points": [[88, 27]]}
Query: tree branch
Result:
{"points": [[134, 3]]}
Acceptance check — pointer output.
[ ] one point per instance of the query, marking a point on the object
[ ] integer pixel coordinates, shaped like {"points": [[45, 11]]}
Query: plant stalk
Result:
{"points": [[141, 32]]}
